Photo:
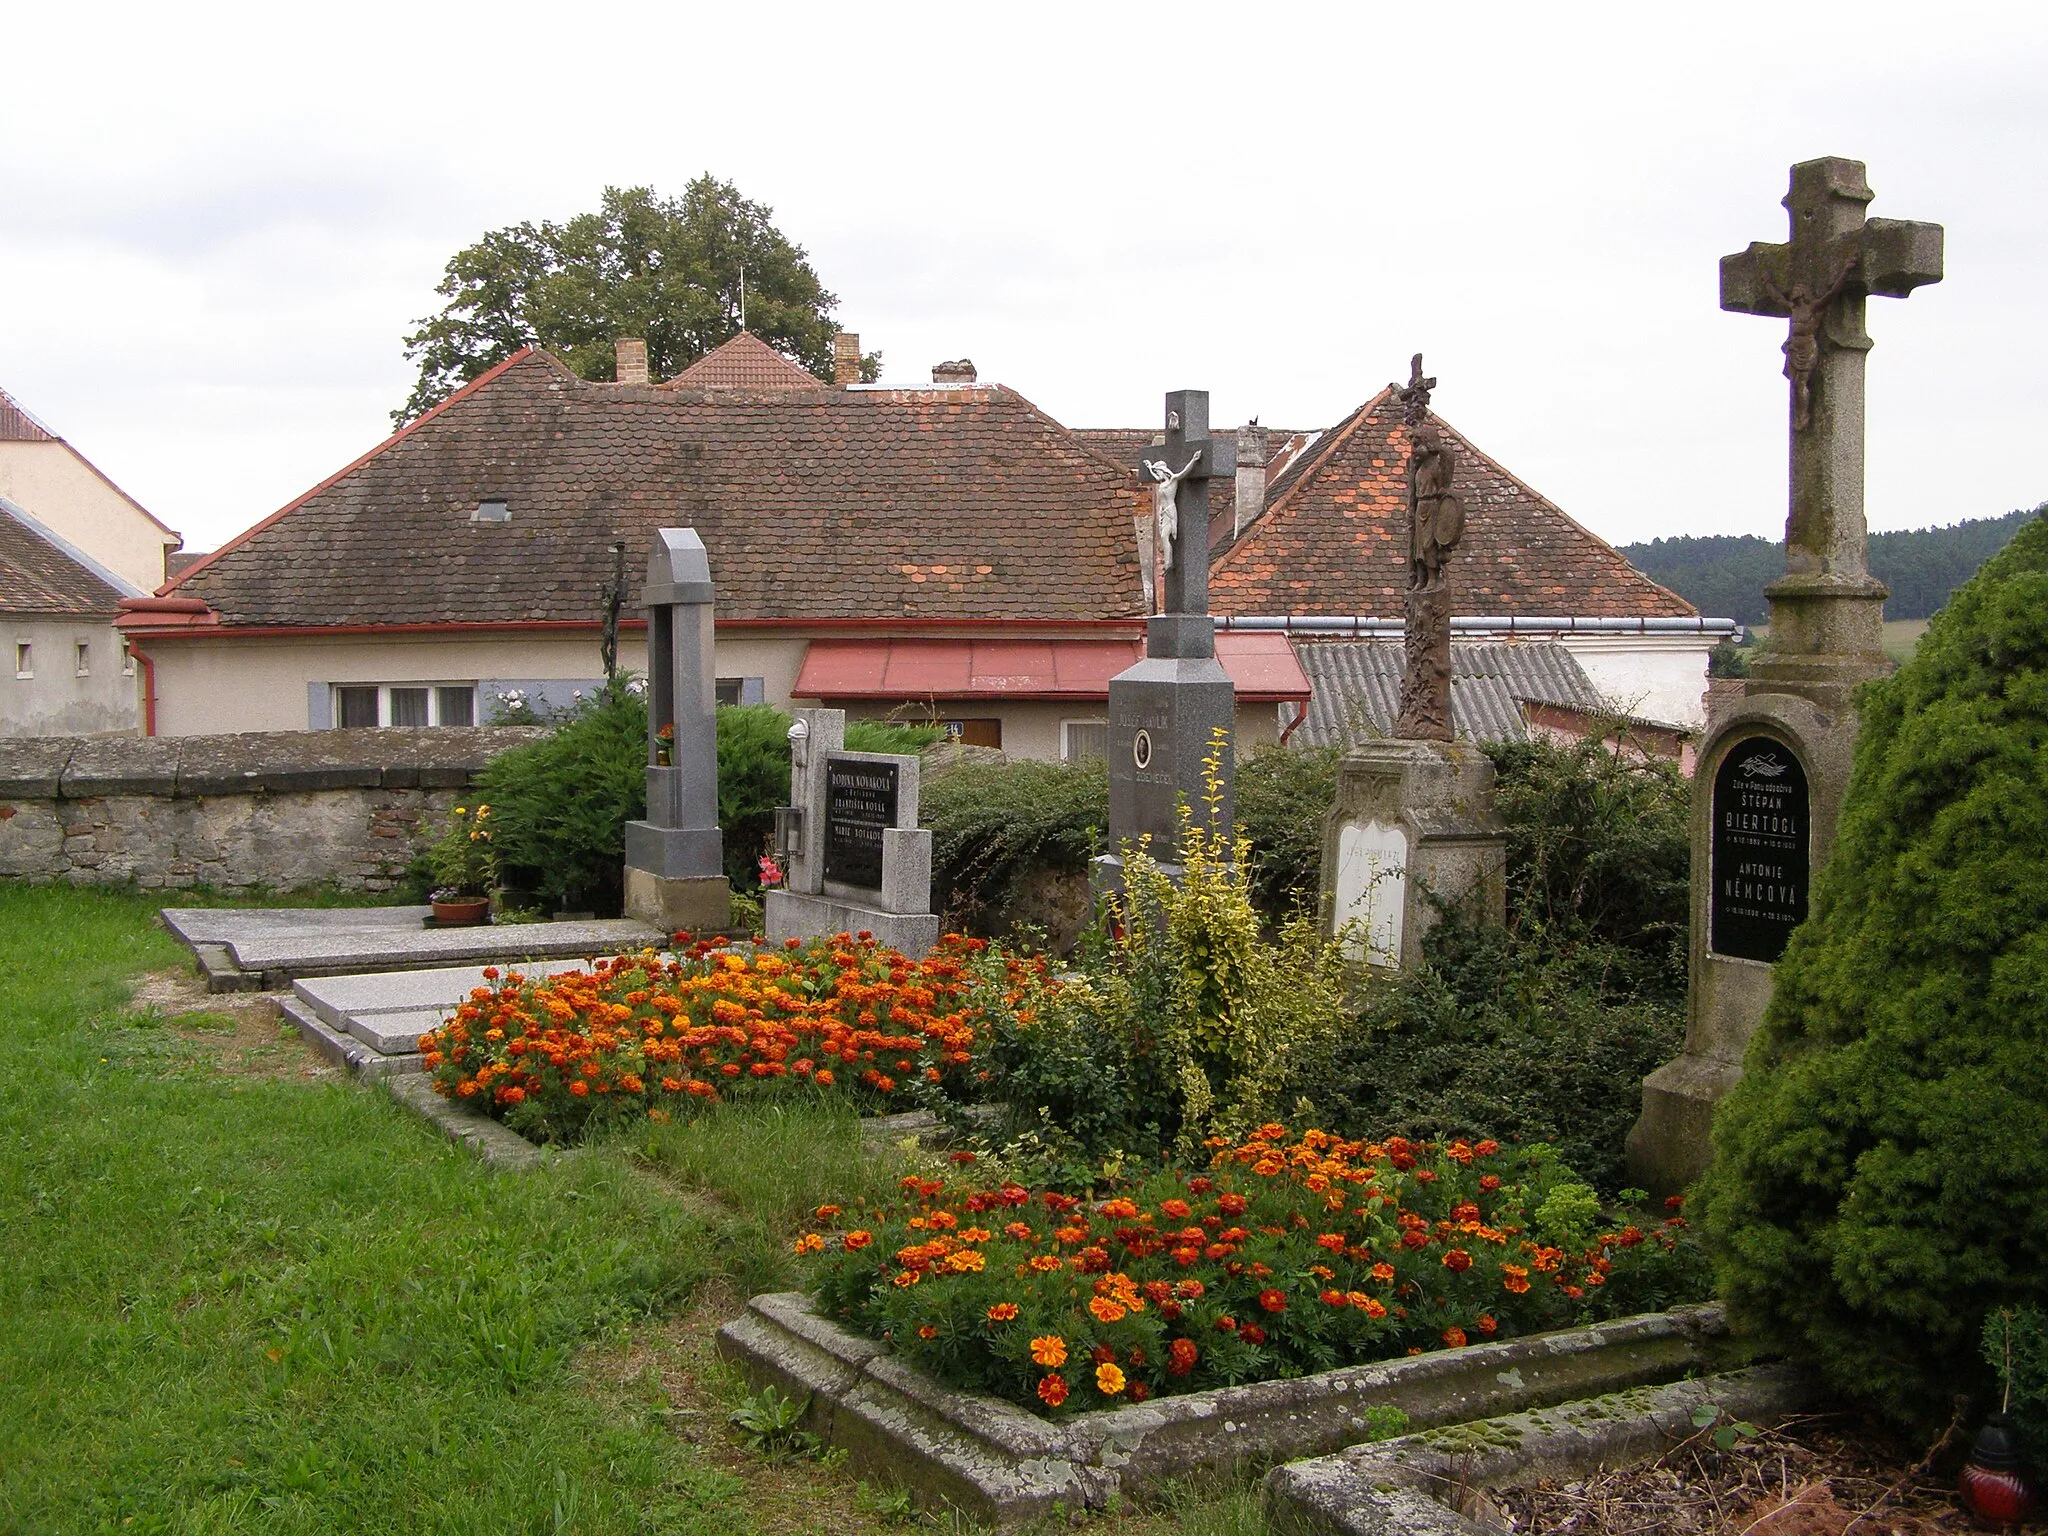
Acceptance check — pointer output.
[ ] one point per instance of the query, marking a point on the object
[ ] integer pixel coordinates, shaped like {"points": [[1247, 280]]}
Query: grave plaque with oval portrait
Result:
{"points": [[1758, 850]]}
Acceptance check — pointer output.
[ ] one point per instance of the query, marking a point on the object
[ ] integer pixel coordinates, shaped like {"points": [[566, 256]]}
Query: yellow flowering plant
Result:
{"points": [[464, 858]]}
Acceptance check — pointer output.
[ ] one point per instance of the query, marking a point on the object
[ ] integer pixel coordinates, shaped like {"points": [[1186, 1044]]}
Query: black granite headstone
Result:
{"points": [[1762, 825], [860, 803]]}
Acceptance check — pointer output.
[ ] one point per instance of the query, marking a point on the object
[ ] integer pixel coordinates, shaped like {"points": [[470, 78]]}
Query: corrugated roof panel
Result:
{"points": [[1357, 688]]}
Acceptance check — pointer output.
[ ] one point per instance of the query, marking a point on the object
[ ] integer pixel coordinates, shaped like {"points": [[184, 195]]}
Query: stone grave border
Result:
{"points": [[997, 1463], [1418, 1485]]}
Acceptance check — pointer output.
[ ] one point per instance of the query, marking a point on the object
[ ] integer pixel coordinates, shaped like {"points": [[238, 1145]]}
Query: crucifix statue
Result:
{"points": [[1817, 281], [1179, 535], [1436, 521]]}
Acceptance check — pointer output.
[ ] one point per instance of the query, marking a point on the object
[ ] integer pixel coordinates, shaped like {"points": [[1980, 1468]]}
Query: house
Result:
{"points": [[64, 671], [947, 553], [1315, 546], [64, 491]]}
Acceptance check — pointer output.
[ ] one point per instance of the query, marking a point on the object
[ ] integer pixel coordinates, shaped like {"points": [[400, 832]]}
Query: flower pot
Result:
{"points": [[464, 912]]}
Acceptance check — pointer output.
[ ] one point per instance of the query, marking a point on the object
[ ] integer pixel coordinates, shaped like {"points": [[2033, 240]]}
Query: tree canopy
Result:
{"points": [[668, 270]]}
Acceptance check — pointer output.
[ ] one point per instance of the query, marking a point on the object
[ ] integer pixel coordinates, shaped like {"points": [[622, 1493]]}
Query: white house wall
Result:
{"points": [[56, 701], [1654, 677]]}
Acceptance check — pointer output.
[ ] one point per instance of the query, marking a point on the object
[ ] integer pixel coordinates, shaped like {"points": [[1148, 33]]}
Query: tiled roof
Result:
{"points": [[1129, 445], [1334, 539], [38, 577], [18, 426], [1357, 688], [745, 362], [830, 503]]}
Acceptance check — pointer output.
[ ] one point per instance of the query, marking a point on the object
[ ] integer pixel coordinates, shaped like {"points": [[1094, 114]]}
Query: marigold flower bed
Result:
{"points": [[643, 1034], [1290, 1256]]}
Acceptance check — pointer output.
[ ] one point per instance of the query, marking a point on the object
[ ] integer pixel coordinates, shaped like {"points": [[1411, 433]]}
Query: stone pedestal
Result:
{"points": [[675, 859], [1412, 834]]}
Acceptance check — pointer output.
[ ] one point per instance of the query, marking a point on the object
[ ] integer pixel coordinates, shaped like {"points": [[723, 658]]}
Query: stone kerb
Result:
{"points": [[999, 1463], [1432, 1484]]}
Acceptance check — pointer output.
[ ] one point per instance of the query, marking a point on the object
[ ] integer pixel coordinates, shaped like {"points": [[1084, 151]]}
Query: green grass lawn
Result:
{"points": [[241, 1296]]}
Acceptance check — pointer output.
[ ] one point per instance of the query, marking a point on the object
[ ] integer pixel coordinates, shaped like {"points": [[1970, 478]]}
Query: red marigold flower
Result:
{"points": [[1454, 1337], [1489, 1182], [1333, 1299], [1674, 1202], [1201, 1186], [1334, 1241], [1457, 1261], [1052, 1391], [1181, 1355], [1486, 1148], [1178, 1210], [857, 1240], [1486, 1323], [1002, 1312], [1273, 1300], [1231, 1204], [1101, 1353], [1139, 1391], [1227, 1323], [579, 1088], [1252, 1333]]}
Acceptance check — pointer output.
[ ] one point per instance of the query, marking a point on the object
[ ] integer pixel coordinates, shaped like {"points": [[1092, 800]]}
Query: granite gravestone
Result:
{"points": [[1827, 611], [853, 857], [1176, 707], [675, 859], [1413, 832]]}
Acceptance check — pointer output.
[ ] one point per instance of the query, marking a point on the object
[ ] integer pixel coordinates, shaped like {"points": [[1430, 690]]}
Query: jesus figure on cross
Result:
{"points": [[1166, 507]]}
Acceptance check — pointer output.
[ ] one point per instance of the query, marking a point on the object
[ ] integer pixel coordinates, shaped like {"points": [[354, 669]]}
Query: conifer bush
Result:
{"points": [[1880, 1181]]}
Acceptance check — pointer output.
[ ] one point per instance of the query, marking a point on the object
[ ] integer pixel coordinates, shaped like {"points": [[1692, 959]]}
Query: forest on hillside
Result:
{"points": [[1724, 575]]}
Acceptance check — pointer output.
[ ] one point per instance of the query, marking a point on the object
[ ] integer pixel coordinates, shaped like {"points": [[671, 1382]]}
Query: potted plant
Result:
{"points": [[465, 864]]}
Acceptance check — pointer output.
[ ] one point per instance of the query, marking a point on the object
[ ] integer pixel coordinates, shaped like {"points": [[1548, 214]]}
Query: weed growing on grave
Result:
{"points": [[641, 1036], [1291, 1255]]}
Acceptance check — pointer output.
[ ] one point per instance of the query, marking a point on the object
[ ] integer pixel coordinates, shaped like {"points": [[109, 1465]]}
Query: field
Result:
{"points": [[1901, 636]]}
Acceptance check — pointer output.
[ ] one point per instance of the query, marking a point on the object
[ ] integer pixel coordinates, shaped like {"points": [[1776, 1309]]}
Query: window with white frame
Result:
{"points": [[1084, 738], [360, 706], [83, 648], [24, 659]]}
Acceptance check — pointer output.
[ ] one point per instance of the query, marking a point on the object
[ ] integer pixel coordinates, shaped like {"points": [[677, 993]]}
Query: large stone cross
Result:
{"points": [[1818, 281], [1178, 475]]}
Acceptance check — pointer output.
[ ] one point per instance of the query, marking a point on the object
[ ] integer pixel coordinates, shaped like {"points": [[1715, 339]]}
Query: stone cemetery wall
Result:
{"points": [[277, 809]]}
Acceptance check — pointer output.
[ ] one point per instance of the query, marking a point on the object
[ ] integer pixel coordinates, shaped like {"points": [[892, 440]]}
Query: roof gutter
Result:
{"points": [[1510, 624]]}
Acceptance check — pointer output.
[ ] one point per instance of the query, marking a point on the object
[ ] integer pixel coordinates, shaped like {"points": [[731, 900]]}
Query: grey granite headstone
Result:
{"points": [[1772, 771], [675, 859], [1176, 707], [854, 858]]}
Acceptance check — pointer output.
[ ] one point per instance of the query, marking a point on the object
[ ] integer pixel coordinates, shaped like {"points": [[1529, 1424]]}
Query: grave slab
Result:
{"points": [[1000, 1464], [1432, 1484], [388, 1011], [281, 944]]}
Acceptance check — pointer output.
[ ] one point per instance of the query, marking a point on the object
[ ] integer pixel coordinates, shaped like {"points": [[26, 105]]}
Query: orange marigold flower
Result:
{"points": [[908, 1278], [1105, 1310], [1454, 1337], [1049, 1349], [580, 1089], [1109, 1380], [1177, 1209], [1487, 1324], [1052, 1391], [858, 1239], [1019, 1231], [1334, 1299], [1046, 1263], [1002, 1312], [827, 1212], [1334, 1241], [1383, 1271], [810, 1242], [927, 1331], [1514, 1278]]}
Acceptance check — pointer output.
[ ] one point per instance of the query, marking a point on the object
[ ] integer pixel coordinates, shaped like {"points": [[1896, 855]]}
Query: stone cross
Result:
{"points": [[1179, 471], [1818, 281]]}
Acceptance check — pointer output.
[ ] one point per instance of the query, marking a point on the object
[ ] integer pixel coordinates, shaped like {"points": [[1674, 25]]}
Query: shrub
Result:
{"points": [[1877, 1188], [2015, 1345], [561, 804], [753, 779], [554, 1056], [1283, 794], [995, 825], [1288, 1258], [1492, 1037]]}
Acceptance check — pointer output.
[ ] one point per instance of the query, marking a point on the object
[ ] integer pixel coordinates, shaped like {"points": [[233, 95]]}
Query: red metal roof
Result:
{"points": [[1261, 665]]}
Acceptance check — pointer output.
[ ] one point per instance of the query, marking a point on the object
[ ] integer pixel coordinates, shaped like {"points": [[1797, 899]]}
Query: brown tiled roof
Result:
{"points": [[745, 362], [1128, 446], [1334, 539], [38, 578], [827, 503], [17, 426]]}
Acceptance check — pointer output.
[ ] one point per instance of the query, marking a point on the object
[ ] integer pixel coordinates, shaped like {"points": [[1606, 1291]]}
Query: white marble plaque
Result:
{"points": [[1372, 889]]}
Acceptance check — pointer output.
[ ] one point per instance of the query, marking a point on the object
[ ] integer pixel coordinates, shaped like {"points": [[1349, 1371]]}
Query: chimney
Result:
{"points": [[631, 353], [1251, 476], [959, 371], [846, 358]]}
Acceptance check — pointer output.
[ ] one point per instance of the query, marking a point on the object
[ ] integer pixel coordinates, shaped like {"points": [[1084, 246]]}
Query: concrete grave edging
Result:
{"points": [[999, 1463], [1416, 1485]]}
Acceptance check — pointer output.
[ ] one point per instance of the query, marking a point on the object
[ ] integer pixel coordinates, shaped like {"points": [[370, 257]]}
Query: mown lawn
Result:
{"points": [[241, 1295]]}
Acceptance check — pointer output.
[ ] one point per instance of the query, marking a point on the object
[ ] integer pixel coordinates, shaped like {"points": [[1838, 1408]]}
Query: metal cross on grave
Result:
{"points": [[1818, 281], [1178, 473]]}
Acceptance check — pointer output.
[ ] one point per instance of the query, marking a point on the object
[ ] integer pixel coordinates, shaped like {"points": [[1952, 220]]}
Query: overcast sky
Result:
{"points": [[217, 223]]}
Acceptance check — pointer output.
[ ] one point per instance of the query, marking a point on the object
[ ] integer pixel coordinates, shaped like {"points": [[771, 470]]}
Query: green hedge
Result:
{"points": [[1880, 1181]]}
